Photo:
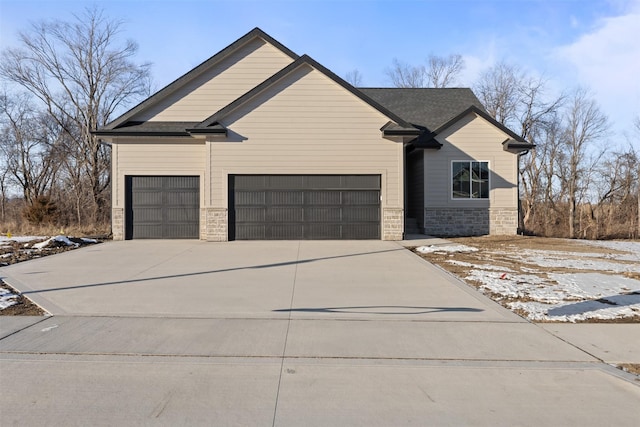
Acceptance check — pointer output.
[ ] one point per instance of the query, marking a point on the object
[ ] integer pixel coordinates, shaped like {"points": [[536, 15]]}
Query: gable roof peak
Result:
{"points": [[198, 70], [302, 60]]}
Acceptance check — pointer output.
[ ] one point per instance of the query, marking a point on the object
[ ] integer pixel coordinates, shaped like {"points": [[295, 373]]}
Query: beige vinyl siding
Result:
{"points": [[219, 86], [472, 138], [175, 157], [307, 124]]}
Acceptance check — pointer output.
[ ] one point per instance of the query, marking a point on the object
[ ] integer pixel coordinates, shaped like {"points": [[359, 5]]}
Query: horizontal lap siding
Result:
{"points": [[307, 125], [215, 88], [157, 159], [473, 138]]}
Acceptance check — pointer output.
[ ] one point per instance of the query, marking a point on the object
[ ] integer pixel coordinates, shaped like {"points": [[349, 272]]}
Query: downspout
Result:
{"points": [[520, 229]]}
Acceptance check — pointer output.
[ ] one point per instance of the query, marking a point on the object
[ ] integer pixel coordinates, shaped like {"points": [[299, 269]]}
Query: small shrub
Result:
{"points": [[42, 211]]}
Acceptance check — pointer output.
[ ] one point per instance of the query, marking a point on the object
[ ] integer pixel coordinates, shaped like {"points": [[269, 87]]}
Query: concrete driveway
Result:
{"points": [[284, 333]]}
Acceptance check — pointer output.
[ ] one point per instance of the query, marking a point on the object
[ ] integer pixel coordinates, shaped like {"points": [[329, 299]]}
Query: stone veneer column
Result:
{"points": [[217, 225], [117, 223], [503, 221], [392, 223]]}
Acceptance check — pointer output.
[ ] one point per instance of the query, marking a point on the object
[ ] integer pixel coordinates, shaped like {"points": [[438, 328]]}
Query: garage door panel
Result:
{"points": [[146, 182], [286, 198], [144, 215], [179, 183], [285, 232], [361, 197], [324, 231], [362, 182], [183, 200], [360, 214], [244, 198], [323, 198], [179, 215], [355, 231], [284, 182], [252, 232], [304, 207], [321, 214], [251, 214], [163, 207], [148, 198], [279, 214], [143, 231], [321, 182]]}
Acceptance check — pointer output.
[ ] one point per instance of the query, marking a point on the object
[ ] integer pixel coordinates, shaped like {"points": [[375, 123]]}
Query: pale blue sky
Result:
{"points": [[570, 42]]}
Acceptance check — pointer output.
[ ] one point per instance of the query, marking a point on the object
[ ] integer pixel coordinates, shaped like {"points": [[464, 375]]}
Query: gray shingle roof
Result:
{"points": [[426, 107]]}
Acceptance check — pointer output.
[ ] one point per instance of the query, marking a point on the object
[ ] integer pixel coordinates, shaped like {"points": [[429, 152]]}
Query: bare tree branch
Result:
{"points": [[354, 77], [82, 74], [443, 71]]}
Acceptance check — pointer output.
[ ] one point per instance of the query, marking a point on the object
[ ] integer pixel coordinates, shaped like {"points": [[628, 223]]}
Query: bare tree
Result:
{"points": [[28, 147], [354, 77], [585, 124], [443, 71], [439, 72], [617, 186], [82, 74], [499, 89], [403, 75]]}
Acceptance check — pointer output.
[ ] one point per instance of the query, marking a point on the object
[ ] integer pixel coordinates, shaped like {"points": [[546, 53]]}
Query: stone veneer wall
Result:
{"points": [[470, 221], [117, 223], [216, 225], [393, 223], [503, 221], [456, 221]]}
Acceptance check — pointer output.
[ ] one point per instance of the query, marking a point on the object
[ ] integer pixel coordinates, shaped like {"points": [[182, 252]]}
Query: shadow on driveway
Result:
{"points": [[400, 309], [199, 273]]}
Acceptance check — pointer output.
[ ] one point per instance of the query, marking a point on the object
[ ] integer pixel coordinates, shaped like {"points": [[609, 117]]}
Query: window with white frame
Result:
{"points": [[470, 180]]}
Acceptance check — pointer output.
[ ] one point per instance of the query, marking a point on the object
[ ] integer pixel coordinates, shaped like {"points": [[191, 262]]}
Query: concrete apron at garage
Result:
{"points": [[285, 333]]}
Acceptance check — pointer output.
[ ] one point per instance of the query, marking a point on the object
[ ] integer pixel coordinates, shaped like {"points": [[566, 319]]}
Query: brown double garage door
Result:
{"points": [[261, 207]]}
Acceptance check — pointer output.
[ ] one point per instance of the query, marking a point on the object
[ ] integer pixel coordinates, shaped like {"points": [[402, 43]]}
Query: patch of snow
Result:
{"points": [[480, 266], [596, 285], [631, 247], [445, 248], [573, 260], [87, 240], [21, 239], [7, 298], [573, 312], [61, 239]]}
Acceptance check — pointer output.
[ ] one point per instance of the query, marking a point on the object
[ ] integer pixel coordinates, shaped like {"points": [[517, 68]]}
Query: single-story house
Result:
{"points": [[260, 143]]}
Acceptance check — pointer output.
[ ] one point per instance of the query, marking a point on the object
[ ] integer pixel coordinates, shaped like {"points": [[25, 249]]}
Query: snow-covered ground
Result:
{"points": [[560, 286], [7, 299]]}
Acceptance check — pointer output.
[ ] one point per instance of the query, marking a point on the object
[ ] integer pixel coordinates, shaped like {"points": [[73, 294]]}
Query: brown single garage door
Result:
{"points": [[162, 207], [298, 207]]}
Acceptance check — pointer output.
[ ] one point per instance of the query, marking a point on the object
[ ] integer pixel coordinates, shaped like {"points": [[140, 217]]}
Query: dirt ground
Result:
{"points": [[12, 252], [489, 248], [23, 306]]}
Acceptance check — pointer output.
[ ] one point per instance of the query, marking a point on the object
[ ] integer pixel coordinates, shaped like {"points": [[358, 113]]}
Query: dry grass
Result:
{"points": [[633, 368], [26, 229]]}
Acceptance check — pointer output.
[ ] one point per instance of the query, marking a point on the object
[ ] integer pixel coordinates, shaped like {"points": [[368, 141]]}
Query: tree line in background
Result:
{"points": [[64, 81], [67, 79]]}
